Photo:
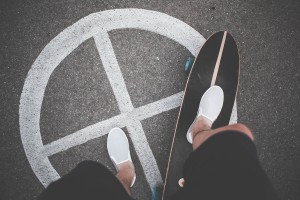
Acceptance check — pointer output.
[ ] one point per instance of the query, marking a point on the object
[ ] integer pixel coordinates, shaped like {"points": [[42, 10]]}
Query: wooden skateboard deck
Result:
{"points": [[216, 64]]}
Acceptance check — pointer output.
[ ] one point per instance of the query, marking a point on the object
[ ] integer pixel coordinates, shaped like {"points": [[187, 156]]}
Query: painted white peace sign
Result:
{"points": [[97, 26]]}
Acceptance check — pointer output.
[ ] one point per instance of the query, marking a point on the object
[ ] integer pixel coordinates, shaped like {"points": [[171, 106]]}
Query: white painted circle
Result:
{"points": [[97, 25]]}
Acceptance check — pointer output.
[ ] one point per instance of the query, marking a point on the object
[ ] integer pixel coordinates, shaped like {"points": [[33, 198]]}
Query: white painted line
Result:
{"points": [[155, 108], [134, 128], [101, 128], [113, 71], [233, 117], [88, 133], [146, 157]]}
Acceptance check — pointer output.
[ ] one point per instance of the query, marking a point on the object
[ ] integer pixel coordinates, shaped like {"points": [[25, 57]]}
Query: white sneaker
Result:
{"points": [[118, 148], [210, 107]]}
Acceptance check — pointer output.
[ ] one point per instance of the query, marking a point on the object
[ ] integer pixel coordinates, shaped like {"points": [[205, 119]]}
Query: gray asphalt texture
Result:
{"points": [[78, 93]]}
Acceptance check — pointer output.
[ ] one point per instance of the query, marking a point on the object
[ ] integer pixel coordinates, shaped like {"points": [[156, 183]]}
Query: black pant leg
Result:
{"points": [[89, 180], [226, 166]]}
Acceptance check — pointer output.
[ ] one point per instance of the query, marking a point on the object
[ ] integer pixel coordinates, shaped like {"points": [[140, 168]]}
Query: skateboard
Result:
{"points": [[216, 64]]}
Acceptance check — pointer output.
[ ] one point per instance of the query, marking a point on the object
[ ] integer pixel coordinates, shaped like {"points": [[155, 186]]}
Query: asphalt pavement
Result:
{"points": [[79, 92]]}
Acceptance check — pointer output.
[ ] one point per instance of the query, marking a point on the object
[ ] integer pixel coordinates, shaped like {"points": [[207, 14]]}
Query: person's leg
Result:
{"points": [[224, 163], [209, 109], [201, 131], [91, 180], [126, 175], [118, 150], [225, 166], [88, 180]]}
